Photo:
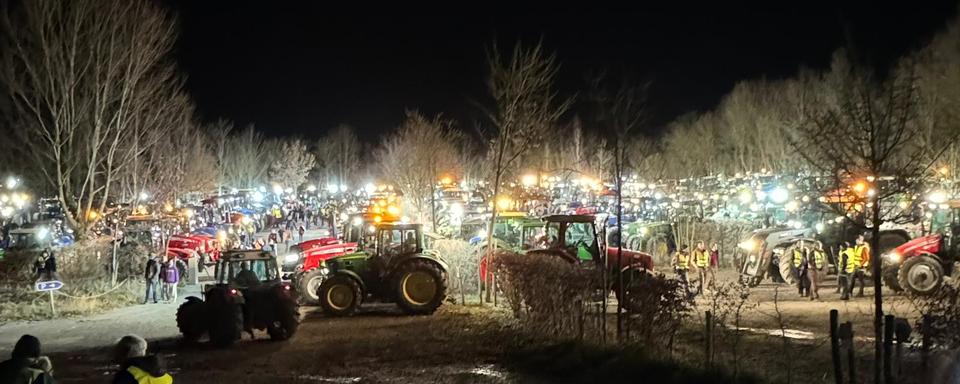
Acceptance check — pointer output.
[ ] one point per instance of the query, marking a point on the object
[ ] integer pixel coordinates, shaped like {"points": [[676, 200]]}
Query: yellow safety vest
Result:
{"points": [[701, 258], [818, 258], [144, 377], [683, 261], [852, 261], [863, 254], [797, 257]]}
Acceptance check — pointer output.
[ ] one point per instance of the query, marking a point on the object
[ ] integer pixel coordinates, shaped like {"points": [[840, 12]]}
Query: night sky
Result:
{"points": [[302, 67]]}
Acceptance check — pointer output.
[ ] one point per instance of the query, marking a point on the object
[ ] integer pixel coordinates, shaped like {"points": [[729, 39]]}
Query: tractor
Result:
{"points": [[920, 265], [248, 294], [390, 267], [763, 250], [575, 239]]}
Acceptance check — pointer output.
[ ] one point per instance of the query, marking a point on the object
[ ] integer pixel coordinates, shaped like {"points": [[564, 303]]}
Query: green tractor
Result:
{"points": [[391, 268], [247, 295]]}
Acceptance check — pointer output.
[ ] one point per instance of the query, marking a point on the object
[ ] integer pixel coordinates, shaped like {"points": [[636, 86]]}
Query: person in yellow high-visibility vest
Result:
{"points": [[701, 259], [816, 260], [861, 260], [681, 264], [800, 265], [845, 270]]}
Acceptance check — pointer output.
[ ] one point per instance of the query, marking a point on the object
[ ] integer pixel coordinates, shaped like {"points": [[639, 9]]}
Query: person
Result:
{"points": [[816, 260], [50, 266], [714, 256], [300, 230], [861, 257], [171, 277], [25, 365], [151, 274], [136, 366], [800, 264], [701, 258], [681, 264], [246, 278], [844, 270]]}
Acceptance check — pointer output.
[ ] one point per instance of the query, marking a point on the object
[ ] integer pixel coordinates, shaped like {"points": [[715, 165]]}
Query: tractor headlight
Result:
{"points": [[748, 245], [291, 258], [324, 270], [893, 257]]}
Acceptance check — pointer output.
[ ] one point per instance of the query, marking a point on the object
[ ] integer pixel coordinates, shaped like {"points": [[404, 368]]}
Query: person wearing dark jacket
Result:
{"points": [[26, 366], [151, 275], [136, 367]]}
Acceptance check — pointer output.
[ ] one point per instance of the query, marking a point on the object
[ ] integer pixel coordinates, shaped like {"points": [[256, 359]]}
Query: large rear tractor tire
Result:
{"points": [[339, 295], [420, 287], [308, 285], [788, 272], [921, 275], [191, 319]]}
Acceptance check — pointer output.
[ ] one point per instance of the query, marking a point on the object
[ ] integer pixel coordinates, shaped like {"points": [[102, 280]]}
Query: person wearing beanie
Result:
{"points": [[136, 366], [25, 365]]}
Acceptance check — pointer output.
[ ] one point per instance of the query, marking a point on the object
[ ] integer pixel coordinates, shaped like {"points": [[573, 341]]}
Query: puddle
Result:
{"points": [[788, 333], [488, 371], [333, 380]]}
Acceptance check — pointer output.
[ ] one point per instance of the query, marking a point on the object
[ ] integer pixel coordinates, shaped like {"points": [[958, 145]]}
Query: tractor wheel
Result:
{"points": [[308, 285], [633, 281], [339, 295], [420, 287], [788, 272], [286, 320], [921, 275], [190, 319], [890, 278], [226, 321]]}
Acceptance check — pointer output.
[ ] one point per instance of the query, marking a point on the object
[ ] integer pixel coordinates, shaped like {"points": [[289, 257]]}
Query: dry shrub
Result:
{"points": [[86, 271], [463, 261], [943, 312], [546, 293], [727, 303], [658, 305]]}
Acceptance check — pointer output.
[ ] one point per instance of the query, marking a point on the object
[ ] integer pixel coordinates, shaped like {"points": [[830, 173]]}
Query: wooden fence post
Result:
{"points": [[708, 360], [835, 346], [887, 349], [925, 342], [846, 334]]}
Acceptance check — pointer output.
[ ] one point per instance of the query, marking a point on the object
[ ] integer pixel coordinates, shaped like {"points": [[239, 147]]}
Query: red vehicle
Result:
{"points": [[302, 264], [186, 246], [922, 262]]}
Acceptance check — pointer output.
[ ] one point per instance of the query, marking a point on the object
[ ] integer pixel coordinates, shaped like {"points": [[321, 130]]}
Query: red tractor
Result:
{"points": [[303, 264], [185, 246], [923, 262]]}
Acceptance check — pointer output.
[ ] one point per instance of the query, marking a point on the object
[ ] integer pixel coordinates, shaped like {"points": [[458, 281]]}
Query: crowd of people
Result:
{"points": [[27, 365], [809, 261]]}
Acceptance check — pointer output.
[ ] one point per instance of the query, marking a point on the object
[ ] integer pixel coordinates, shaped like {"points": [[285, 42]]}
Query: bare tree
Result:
{"points": [[525, 106], [247, 159], [292, 164], [218, 134], [338, 156], [415, 157], [864, 130], [81, 75]]}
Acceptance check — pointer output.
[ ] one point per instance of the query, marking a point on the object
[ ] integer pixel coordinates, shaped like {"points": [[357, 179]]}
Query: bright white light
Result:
{"points": [[370, 188], [456, 210], [528, 180], [246, 220], [761, 195], [43, 233], [745, 197], [938, 197], [658, 195], [343, 187], [482, 234], [405, 220], [11, 182], [819, 227], [144, 196], [791, 206], [288, 190], [6, 211], [234, 191], [357, 221], [311, 188], [779, 195], [291, 258], [372, 228], [258, 196], [277, 189]]}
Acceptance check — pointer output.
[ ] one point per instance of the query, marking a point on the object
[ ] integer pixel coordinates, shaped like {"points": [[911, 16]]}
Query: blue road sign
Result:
{"points": [[52, 285]]}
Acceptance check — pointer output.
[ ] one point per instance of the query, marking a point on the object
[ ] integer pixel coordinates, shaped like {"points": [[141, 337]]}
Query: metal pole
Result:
{"points": [[53, 308], [887, 348], [835, 346]]}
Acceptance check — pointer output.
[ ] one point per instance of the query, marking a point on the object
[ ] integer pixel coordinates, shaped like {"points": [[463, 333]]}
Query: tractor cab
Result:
{"points": [[246, 269], [576, 236]]}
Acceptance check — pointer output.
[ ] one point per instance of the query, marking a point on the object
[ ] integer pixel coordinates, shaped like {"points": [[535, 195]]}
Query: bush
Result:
{"points": [[546, 293], [658, 307], [463, 260], [943, 312]]}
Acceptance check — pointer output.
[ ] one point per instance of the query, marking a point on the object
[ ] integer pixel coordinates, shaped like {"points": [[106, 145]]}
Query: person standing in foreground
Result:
{"points": [[171, 277], [701, 259], [845, 269], [151, 275], [25, 365], [136, 366], [816, 260], [861, 257]]}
